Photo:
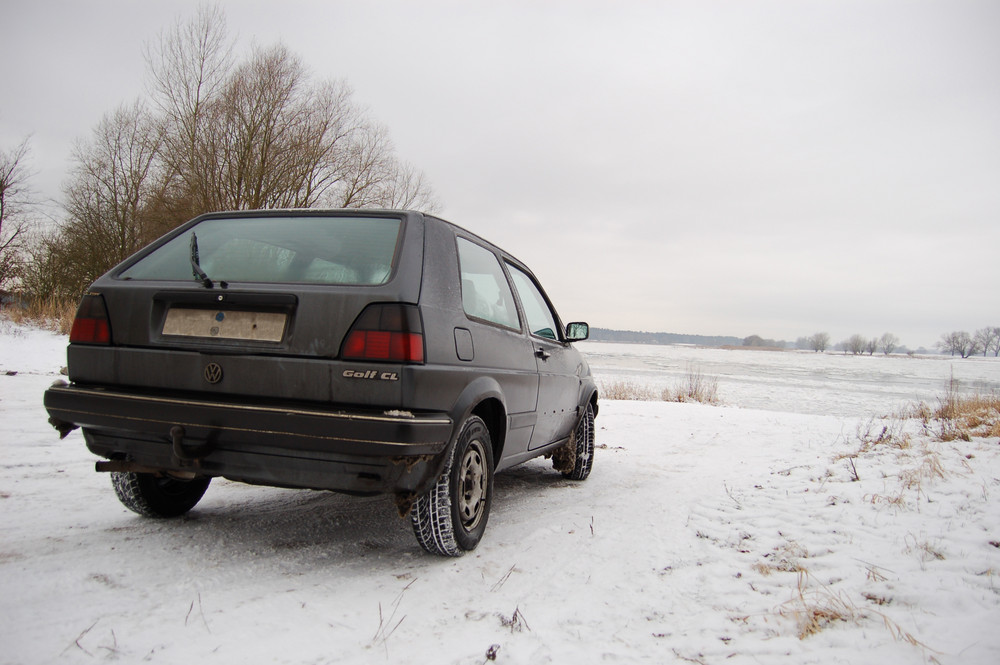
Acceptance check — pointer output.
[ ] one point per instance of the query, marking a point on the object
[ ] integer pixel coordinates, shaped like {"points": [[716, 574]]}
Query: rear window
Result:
{"points": [[311, 250]]}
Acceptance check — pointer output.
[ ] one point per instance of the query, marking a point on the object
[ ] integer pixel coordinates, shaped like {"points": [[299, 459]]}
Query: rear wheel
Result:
{"points": [[154, 495], [450, 519]]}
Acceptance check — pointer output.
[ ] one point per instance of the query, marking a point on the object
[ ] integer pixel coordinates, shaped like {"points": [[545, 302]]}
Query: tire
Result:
{"points": [[153, 495], [451, 517], [583, 444]]}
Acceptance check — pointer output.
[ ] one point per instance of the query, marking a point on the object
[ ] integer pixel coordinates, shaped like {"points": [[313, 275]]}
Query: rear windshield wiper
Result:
{"points": [[196, 264]]}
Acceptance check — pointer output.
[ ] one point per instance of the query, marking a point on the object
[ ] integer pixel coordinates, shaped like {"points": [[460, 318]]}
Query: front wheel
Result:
{"points": [[154, 495], [576, 459], [450, 519]]}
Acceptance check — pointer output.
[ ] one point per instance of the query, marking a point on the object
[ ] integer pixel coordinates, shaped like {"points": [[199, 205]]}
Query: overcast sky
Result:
{"points": [[722, 168]]}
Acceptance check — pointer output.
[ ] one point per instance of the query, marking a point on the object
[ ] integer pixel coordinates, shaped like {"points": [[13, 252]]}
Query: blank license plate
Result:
{"points": [[219, 324]]}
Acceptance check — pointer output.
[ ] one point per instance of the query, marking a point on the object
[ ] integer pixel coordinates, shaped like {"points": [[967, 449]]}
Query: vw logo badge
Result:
{"points": [[213, 372]]}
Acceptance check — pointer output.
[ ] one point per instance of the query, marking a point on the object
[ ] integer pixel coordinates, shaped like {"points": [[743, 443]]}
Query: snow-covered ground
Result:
{"points": [[799, 381], [705, 534]]}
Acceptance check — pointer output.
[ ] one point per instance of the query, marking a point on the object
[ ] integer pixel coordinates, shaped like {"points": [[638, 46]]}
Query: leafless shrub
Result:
{"points": [[695, 387], [627, 390], [53, 314]]}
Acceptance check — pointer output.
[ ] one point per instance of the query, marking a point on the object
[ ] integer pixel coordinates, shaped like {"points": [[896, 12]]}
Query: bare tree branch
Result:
{"points": [[15, 199]]}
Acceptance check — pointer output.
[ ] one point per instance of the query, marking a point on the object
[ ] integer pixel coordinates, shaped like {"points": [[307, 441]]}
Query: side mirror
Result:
{"points": [[577, 331]]}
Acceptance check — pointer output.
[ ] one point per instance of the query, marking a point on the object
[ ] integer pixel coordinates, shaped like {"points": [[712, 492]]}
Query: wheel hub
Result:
{"points": [[472, 481]]}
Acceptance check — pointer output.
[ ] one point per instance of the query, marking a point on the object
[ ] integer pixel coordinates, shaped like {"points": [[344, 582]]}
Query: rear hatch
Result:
{"points": [[257, 304]]}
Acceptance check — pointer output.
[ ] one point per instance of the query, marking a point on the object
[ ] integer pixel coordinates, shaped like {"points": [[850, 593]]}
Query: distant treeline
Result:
{"points": [[633, 337]]}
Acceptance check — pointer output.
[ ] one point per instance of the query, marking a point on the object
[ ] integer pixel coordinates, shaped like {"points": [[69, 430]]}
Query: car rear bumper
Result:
{"points": [[272, 443]]}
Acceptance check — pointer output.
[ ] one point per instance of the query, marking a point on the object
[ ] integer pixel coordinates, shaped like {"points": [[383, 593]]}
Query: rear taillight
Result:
{"points": [[389, 331], [91, 325]]}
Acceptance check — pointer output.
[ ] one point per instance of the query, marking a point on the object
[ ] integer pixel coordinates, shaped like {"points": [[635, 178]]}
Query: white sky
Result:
{"points": [[712, 167]]}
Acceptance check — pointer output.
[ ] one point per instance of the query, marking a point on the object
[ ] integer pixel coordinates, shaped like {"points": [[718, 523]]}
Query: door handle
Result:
{"points": [[542, 353]]}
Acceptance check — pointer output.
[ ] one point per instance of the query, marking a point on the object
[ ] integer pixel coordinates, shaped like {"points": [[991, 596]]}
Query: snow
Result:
{"points": [[705, 534]]}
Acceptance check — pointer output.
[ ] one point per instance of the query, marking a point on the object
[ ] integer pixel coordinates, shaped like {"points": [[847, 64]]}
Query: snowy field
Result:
{"points": [[829, 383], [753, 532]]}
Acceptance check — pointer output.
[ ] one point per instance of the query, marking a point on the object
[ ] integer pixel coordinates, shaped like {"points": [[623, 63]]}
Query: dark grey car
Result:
{"points": [[363, 352]]}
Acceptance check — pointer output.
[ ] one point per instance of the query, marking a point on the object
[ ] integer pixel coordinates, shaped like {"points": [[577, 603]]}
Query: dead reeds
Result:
{"points": [[694, 387], [48, 313]]}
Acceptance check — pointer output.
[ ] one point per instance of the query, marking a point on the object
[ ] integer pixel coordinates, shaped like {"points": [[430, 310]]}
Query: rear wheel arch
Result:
{"points": [[483, 397], [494, 415]]}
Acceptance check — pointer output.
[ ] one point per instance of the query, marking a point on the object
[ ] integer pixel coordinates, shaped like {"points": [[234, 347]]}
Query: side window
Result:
{"points": [[541, 320], [485, 292]]}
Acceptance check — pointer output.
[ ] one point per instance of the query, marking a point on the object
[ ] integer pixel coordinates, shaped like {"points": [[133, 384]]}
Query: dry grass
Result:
{"points": [[814, 607], [966, 416], [959, 416], [928, 469], [784, 559], [696, 387], [924, 550], [627, 390], [50, 314], [912, 480], [888, 432]]}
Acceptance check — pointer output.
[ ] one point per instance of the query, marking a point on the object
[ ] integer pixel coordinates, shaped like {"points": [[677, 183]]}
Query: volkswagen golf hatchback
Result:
{"points": [[357, 351]]}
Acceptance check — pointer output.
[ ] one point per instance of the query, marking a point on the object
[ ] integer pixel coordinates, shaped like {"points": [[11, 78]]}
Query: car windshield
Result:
{"points": [[294, 249]]}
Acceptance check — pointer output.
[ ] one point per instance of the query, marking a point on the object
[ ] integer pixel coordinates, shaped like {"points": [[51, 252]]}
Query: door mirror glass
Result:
{"points": [[577, 331]]}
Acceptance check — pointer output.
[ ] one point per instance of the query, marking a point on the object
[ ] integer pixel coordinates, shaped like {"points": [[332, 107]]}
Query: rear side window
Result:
{"points": [[486, 294], [312, 250]]}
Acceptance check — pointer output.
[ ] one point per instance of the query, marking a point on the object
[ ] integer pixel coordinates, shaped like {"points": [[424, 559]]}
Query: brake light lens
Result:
{"points": [[91, 325], [390, 332]]}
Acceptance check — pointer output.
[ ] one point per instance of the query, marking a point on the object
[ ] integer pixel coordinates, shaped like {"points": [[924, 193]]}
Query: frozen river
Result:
{"points": [[802, 382]]}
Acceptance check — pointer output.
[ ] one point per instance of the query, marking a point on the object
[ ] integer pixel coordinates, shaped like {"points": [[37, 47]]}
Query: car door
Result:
{"points": [[492, 340], [558, 363]]}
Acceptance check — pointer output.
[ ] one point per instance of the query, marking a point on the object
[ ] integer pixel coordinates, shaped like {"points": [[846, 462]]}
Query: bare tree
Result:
{"points": [[14, 202], [112, 182], [374, 176], [188, 67], [888, 343], [819, 342], [273, 140], [949, 343], [988, 339], [406, 187], [855, 344], [260, 134], [220, 134], [958, 342]]}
